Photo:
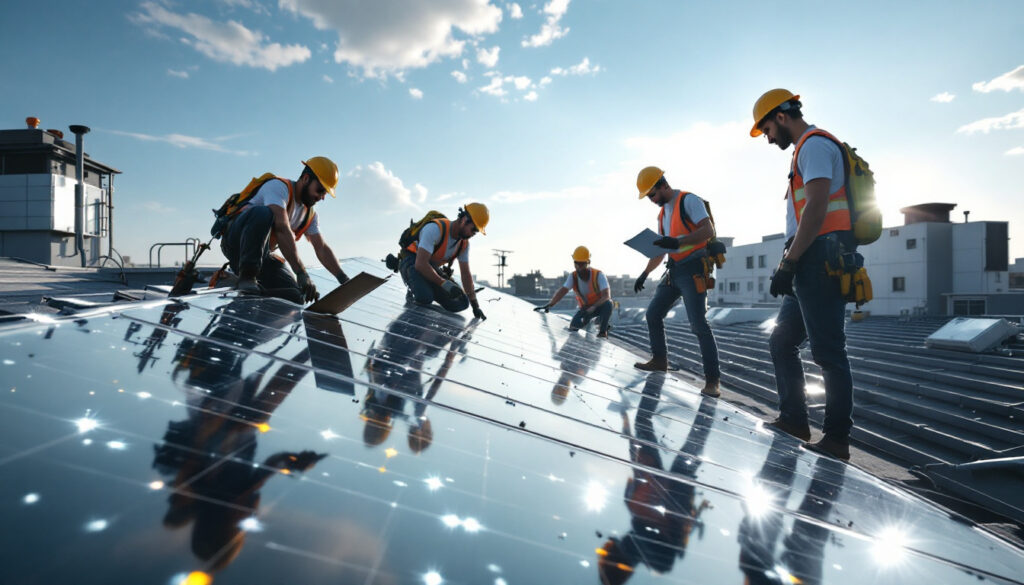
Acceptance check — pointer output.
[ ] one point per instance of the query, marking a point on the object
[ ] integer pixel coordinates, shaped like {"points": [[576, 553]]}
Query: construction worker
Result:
{"points": [[813, 309], [593, 295], [275, 217], [438, 243], [685, 228]]}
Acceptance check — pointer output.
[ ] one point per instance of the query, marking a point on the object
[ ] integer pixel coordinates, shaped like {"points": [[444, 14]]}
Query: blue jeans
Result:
{"points": [[246, 245], [603, 312], [816, 314], [679, 283], [425, 292]]}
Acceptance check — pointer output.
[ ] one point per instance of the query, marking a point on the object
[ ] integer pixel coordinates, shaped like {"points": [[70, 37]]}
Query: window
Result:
{"points": [[762, 261], [750, 285], [969, 307], [760, 286], [750, 261], [894, 233], [899, 284], [911, 243], [734, 287]]}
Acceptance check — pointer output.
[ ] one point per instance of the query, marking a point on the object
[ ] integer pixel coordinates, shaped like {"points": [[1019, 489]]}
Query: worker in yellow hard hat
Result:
{"points": [[426, 262], [685, 228], [273, 214], [593, 295], [813, 309]]}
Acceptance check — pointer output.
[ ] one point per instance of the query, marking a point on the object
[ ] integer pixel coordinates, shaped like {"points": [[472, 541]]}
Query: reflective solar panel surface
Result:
{"points": [[238, 440]]}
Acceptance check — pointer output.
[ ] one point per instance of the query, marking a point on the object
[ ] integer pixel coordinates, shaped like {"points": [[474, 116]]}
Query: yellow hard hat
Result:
{"points": [[325, 170], [647, 178], [581, 254], [479, 214], [771, 99]]}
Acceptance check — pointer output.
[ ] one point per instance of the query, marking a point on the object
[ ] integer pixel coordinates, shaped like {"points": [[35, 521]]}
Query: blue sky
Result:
{"points": [[545, 111]]}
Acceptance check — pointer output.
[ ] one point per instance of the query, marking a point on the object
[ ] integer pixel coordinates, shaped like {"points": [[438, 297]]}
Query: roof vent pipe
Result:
{"points": [[79, 131], [966, 213]]}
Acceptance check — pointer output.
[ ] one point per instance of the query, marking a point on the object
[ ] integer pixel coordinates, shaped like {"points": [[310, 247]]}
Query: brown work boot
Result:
{"points": [[830, 447], [711, 388], [657, 364], [602, 334], [797, 430]]}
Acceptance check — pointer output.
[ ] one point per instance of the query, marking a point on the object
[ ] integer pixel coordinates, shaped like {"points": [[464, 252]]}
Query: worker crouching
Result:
{"points": [[593, 295]]}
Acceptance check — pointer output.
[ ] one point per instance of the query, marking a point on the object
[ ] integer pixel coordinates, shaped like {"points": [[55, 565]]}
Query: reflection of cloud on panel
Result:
{"points": [[382, 40], [1006, 82]]}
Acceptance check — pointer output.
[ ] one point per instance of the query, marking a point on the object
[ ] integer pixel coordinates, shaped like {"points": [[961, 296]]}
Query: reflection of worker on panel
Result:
{"points": [[663, 506], [576, 357], [803, 548], [210, 456], [395, 367]]}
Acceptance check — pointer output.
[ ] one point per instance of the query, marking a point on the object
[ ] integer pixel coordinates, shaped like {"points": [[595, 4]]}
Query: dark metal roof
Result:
{"points": [[240, 438]]}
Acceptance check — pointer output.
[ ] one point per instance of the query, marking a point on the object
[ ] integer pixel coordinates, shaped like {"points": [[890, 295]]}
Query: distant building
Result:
{"points": [[928, 266], [38, 209], [1017, 274]]}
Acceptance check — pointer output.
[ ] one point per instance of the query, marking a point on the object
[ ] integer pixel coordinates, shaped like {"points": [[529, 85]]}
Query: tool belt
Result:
{"points": [[703, 282], [854, 283]]}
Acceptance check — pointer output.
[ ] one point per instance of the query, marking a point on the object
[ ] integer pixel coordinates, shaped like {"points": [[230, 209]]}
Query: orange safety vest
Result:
{"points": [[837, 214], [592, 294], [437, 258], [679, 228], [306, 221]]}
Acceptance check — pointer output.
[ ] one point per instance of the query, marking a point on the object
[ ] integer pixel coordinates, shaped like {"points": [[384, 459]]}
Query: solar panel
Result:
{"points": [[240, 440]]}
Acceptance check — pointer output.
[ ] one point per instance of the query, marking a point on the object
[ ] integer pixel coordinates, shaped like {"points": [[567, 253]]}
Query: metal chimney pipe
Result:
{"points": [[80, 131], [966, 213]]}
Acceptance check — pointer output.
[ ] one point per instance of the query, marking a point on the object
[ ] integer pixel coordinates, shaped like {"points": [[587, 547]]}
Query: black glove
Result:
{"points": [[782, 279], [667, 242], [545, 308], [343, 278], [306, 287], [476, 310], [639, 284], [452, 290]]}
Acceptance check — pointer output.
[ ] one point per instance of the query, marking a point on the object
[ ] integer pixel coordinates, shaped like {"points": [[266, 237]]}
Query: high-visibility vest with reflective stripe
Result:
{"points": [[837, 214], [679, 228], [592, 293], [306, 221], [437, 258]]}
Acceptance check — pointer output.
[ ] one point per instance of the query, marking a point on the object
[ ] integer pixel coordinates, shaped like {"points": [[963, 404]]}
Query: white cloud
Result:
{"points": [[496, 87], [417, 94], [522, 82], [229, 42], [488, 57], [1016, 151], [943, 98], [328, 78], [1006, 82], [515, 11], [544, 81], [459, 76], [384, 38], [582, 68], [530, 97], [177, 73], [376, 182], [986, 125], [184, 141], [551, 30]]}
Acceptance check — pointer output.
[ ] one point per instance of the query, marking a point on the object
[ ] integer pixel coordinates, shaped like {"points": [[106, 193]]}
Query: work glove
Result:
{"points": [[545, 308], [667, 242], [343, 278], [445, 272], [782, 279], [306, 287], [476, 310], [639, 284], [452, 290]]}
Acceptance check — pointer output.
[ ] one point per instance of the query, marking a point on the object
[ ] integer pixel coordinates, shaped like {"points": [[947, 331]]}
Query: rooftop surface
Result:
{"points": [[240, 439]]}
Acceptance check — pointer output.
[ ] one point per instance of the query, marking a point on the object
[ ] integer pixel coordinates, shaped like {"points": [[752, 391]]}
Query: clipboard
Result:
{"points": [[346, 294]]}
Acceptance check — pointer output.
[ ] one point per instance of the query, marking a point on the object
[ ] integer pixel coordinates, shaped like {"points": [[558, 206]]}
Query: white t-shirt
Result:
{"points": [[275, 192], [602, 282], [694, 207], [819, 158], [431, 233]]}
